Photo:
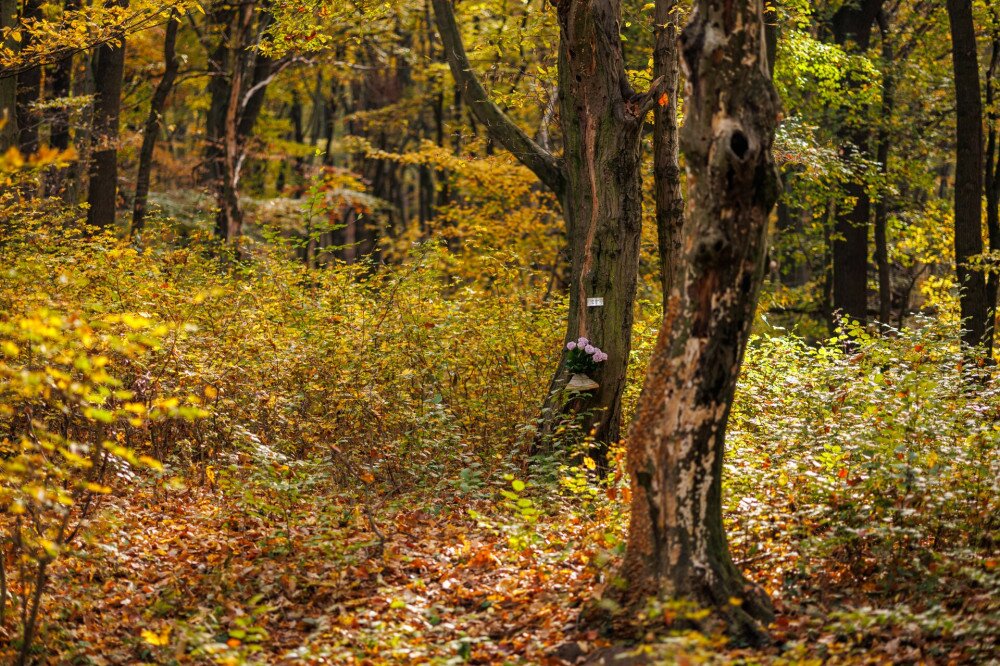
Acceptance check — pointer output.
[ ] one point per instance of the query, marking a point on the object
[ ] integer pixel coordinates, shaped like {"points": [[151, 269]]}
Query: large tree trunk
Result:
{"points": [[598, 182], [601, 120], [852, 28], [154, 121], [102, 191], [677, 545], [666, 170], [968, 176]]}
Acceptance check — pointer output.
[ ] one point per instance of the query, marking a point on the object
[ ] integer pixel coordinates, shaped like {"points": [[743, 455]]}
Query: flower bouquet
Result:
{"points": [[582, 359]]}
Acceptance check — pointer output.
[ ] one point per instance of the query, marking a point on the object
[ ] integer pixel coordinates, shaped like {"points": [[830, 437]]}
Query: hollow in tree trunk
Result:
{"points": [[677, 545]]}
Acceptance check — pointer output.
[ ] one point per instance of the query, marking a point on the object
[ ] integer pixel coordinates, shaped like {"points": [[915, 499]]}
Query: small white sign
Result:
{"points": [[595, 302]]}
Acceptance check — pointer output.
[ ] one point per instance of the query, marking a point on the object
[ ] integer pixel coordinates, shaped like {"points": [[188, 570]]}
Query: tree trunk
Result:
{"points": [[598, 182], [677, 545], [852, 28], [102, 191], [992, 177], [976, 330], [239, 76], [8, 83], [601, 121], [666, 170], [154, 122], [882, 155], [62, 79], [29, 90]]}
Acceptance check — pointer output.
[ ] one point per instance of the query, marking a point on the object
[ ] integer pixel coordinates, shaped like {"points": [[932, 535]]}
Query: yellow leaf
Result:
{"points": [[153, 638]]}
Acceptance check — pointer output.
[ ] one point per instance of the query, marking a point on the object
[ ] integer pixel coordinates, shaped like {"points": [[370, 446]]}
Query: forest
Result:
{"points": [[544, 332]]}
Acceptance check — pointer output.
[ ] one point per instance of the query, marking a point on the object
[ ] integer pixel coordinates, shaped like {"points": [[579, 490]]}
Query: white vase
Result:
{"points": [[581, 382]]}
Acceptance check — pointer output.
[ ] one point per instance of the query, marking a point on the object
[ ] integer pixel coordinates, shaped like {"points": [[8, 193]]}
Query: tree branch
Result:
{"points": [[503, 130]]}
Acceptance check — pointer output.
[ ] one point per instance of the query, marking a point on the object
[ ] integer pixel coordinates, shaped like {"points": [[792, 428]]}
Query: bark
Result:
{"points": [[666, 170], [154, 123], [968, 176], [852, 28], [29, 90], [102, 190], [677, 545], [598, 182], [882, 155], [239, 76], [8, 84], [992, 177], [62, 79]]}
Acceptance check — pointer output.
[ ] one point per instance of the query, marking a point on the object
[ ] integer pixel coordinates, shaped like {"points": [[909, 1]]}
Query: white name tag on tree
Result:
{"points": [[595, 302]]}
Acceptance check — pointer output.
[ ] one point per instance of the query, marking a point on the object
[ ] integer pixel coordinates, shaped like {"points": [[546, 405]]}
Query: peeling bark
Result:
{"points": [[677, 545]]}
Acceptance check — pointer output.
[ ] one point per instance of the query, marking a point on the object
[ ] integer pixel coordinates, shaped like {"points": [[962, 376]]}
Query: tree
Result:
{"points": [[597, 180], [102, 191], [976, 330], [154, 122], [29, 88], [676, 544], [666, 170], [240, 74], [991, 179], [852, 28], [8, 83]]}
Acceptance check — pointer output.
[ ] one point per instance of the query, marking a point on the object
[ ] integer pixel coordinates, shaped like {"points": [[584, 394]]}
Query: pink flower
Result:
{"points": [[571, 345], [590, 349], [600, 357], [582, 342]]}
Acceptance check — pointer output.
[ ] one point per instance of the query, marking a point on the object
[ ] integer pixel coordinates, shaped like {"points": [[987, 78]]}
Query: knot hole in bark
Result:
{"points": [[739, 144]]}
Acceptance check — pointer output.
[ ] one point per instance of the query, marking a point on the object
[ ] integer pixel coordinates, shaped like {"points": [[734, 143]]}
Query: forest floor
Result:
{"points": [[230, 573]]}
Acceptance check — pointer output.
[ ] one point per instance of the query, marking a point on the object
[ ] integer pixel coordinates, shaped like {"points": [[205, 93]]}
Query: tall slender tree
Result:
{"points": [[677, 544], [852, 28], [976, 330], [991, 180], [29, 88], [154, 122], [109, 70], [666, 169], [239, 76], [8, 83]]}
